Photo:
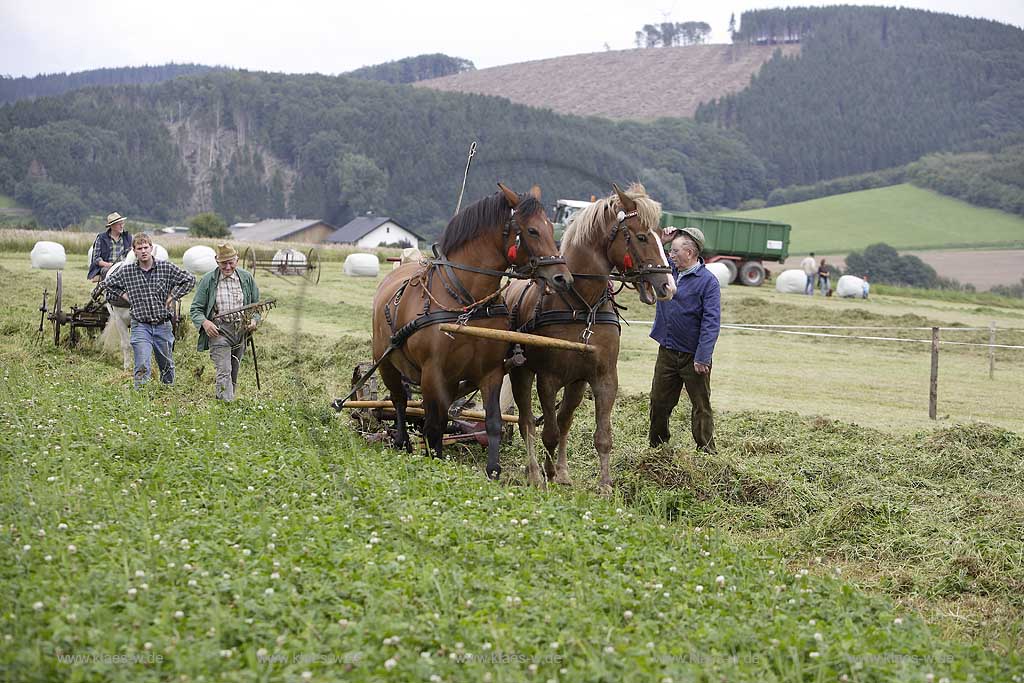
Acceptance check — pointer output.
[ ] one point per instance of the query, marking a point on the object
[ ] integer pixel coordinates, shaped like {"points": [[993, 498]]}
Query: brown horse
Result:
{"points": [[463, 285], [621, 232]]}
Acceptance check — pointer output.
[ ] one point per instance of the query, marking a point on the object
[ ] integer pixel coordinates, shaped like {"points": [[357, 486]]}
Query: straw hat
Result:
{"points": [[225, 252], [115, 218]]}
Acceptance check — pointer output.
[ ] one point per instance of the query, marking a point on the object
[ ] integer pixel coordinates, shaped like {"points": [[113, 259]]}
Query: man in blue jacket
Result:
{"points": [[686, 329]]}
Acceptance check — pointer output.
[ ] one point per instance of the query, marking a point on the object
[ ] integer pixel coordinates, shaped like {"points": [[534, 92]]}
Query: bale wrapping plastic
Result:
{"points": [[289, 262], [361, 265], [159, 254], [200, 259], [720, 271], [48, 256], [850, 287], [791, 282]]}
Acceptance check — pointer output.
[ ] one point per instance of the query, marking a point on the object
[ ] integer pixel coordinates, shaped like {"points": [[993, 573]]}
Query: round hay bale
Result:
{"points": [[289, 262], [48, 256], [850, 287], [791, 282], [361, 265], [720, 271], [200, 259], [159, 254]]}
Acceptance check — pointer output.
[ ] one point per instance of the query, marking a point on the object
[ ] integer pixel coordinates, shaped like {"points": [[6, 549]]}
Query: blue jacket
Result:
{"points": [[103, 249], [690, 321]]}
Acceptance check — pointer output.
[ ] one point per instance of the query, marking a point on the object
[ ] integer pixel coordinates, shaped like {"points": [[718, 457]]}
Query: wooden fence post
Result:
{"points": [[933, 391], [992, 350]]}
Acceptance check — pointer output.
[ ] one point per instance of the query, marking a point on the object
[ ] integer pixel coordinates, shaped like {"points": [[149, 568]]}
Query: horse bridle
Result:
{"points": [[533, 262], [632, 269]]}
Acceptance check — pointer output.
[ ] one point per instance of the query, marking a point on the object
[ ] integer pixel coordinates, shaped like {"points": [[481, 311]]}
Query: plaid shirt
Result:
{"points": [[148, 291], [229, 295], [117, 253]]}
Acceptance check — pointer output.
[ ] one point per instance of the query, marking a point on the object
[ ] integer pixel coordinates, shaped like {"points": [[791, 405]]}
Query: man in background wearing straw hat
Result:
{"points": [[686, 329], [226, 288], [110, 247]]}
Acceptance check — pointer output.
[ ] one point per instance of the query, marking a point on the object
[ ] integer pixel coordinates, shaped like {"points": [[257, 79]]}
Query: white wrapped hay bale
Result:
{"points": [[791, 282], [850, 287], [200, 259], [361, 265], [159, 254], [289, 262], [48, 256], [720, 271]]}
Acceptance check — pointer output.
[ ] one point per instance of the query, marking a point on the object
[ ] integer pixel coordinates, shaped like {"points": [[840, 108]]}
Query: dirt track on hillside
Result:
{"points": [[983, 269]]}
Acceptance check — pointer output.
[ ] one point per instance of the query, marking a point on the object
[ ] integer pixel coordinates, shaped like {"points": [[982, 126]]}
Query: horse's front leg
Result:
{"points": [[490, 389], [605, 389], [522, 386], [392, 379], [437, 399], [547, 387]]}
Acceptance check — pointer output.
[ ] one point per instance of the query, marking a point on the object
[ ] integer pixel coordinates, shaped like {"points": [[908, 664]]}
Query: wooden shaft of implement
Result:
{"points": [[414, 408], [517, 337]]}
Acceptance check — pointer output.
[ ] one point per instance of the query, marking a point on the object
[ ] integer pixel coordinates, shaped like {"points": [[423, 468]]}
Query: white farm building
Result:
{"points": [[374, 231]]}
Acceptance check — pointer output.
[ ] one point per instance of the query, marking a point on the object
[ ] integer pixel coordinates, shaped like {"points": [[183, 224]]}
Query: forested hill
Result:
{"points": [[412, 69], [873, 87], [46, 85], [252, 145]]}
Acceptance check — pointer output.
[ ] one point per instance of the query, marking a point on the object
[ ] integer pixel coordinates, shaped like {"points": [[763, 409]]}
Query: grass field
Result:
{"points": [[7, 202], [903, 216], [853, 536]]}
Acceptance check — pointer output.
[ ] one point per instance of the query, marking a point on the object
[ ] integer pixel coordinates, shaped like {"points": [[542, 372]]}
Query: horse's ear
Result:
{"points": [[510, 196], [535, 192], [627, 203]]}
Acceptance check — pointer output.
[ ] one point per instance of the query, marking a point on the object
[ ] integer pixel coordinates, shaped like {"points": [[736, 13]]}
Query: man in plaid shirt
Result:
{"points": [[151, 288]]}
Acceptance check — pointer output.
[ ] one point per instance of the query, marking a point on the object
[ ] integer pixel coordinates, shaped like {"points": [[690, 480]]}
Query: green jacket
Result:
{"points": [[205, 300]]}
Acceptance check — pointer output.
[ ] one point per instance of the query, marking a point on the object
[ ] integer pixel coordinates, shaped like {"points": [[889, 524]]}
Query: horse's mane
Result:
{"points": [[590, 225], [480, 217]]}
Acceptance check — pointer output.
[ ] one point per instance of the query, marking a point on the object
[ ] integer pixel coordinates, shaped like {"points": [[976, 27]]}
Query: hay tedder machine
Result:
{"points": [[93, 315]]}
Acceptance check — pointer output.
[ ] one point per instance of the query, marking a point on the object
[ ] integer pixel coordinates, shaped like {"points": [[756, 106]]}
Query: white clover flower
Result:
{"points": [[226, 653], [720, 580], [897, 621], [26, 547], [269, 591], [627, 614], [818, 637], [193, 583], [179, 615], [62, 526], [139, 573], [554, 646], [307, 675], [246, 552], [390, 663], [699, 588], [400, 558], [72, 549], [37, 606], [814, 655], [132, 592], [609, 649], [147, 646], [48, 558]]}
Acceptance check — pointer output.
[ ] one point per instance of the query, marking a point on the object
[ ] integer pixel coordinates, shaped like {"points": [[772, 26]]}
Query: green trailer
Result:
{"points": [[741, 244]]}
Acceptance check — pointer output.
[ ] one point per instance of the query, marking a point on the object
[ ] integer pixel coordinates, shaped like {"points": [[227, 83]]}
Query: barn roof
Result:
{"points": [[275, 229], [357, 228]]}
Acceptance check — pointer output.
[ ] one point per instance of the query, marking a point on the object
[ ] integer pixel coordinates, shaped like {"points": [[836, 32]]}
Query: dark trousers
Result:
{"points": [[672, 372]]}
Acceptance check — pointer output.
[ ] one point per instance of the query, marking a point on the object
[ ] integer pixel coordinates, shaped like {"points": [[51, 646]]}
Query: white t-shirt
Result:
{"points": [[809, 266]]}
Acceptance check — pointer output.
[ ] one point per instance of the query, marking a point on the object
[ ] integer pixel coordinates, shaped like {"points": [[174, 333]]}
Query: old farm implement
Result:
{"points": [[372, 413], [93, 315], [284, 263]]}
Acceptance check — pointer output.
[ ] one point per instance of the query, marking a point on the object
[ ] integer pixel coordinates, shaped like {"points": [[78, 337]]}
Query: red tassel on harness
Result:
{"points": [[512, 253], [627, 261]]}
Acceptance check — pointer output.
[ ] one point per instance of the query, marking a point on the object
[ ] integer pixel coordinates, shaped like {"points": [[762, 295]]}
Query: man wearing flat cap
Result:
{"points": [[226, 288], [686, 328], [110, 246]]}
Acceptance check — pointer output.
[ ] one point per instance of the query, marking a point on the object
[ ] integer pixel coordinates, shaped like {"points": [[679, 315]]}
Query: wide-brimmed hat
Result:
{"points": [[115, 218], [225, 252]]}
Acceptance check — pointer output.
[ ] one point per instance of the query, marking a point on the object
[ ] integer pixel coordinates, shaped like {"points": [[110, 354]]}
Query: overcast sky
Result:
{"points": [[333, 36]]}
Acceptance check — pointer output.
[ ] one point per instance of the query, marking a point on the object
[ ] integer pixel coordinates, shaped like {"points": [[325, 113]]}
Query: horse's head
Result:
{"points": [[635, 249], [528, 240]]}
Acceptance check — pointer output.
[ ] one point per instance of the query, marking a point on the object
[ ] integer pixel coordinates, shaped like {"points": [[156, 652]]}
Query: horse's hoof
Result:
{"points": [[605, 489], [494, 474], [563, 479]]}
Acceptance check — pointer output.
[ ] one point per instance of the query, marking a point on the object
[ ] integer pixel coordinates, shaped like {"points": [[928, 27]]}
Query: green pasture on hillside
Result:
{"points": [[903, 216], [7, 202], [256, 521]]}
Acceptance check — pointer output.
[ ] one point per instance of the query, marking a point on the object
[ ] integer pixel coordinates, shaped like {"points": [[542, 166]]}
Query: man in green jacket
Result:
{"points": [[225, 289]]}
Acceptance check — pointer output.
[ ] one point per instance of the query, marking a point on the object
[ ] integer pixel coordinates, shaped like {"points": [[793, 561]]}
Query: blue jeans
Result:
{"points": [[148, 340], [823, 281], [809, 287]]}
